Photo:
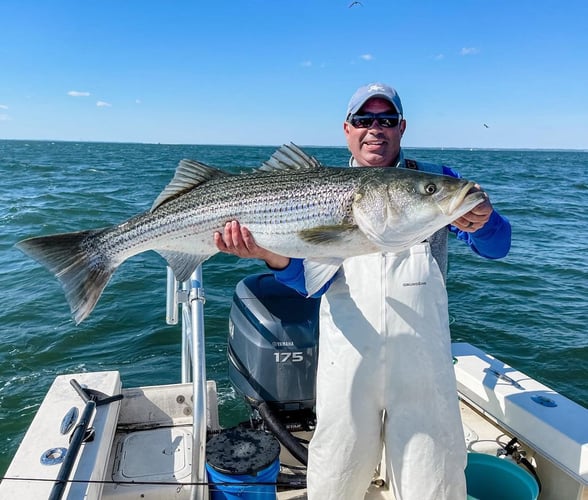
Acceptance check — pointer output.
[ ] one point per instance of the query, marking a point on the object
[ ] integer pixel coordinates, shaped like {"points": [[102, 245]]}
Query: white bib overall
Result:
{"points": [[385, 375]]}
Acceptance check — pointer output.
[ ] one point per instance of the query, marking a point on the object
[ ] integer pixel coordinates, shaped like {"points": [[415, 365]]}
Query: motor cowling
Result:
{"points": [[273, 344]]}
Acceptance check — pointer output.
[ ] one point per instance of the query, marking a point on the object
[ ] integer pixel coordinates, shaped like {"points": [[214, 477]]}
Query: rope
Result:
{"points": [[153, 483]]}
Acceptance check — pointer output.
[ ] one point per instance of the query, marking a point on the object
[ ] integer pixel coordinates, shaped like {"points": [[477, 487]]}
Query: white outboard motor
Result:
{"points": [[273, 353]]}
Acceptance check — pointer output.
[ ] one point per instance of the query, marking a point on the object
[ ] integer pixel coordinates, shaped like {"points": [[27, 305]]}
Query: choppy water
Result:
{"points": [[529, 309]]}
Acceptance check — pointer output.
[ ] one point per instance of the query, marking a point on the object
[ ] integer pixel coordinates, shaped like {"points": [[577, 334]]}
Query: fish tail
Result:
{"points": [[77, 263]]}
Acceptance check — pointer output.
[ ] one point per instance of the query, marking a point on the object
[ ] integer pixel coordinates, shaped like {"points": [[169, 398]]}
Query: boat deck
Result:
{"points": [[142, 446]]}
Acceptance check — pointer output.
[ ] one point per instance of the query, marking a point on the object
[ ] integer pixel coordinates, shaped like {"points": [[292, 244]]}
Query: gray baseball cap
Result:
{"points": [[362, 94]]}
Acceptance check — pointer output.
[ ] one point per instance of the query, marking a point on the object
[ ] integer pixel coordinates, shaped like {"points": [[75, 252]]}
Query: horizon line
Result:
{"points": [[461, 148]]}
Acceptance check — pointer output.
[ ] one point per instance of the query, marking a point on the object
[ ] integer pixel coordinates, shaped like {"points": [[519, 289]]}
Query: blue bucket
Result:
{"points": [[492, 478], [242, 464]]}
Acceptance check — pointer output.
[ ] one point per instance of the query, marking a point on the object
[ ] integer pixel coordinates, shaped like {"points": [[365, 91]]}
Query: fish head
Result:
{"points": [[396, 208]]}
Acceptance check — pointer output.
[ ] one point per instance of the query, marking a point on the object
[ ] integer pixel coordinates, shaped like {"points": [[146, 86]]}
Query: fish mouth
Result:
{"points": [[465, 200]]}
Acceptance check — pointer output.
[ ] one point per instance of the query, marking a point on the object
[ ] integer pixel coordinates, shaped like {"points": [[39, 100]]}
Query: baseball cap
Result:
{"points": [[362, 94]]}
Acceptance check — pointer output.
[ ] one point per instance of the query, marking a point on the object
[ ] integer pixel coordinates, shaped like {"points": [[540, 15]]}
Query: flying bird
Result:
{"points": [[486, 126], [353, 4]]}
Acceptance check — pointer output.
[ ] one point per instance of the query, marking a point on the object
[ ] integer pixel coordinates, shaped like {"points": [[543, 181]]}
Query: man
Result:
{"points": [[385, 372]]}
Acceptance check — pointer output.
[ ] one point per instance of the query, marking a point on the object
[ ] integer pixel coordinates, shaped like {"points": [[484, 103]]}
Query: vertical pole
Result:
{"points": [[196, 299]]}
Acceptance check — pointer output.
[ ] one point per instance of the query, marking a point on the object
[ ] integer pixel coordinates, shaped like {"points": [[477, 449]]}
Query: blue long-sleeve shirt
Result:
{"points": [[491, 241]]}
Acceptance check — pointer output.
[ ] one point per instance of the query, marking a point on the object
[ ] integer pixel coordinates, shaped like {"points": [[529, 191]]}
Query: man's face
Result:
{"points": [[375, 146]]}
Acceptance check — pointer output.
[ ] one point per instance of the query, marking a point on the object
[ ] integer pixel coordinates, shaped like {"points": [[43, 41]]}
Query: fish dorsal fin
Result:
{"points": [[289, 157], [189, 174]]}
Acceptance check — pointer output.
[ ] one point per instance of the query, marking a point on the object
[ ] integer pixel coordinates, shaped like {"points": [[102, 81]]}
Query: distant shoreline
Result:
{"points": [[428, 148]]}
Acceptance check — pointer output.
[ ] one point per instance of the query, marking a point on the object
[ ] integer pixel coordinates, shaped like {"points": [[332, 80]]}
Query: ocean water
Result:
{"points": [[529, 310]]}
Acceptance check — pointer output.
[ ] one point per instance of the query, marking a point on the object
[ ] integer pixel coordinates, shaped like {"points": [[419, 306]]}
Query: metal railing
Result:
{"points": [[190, 294]]}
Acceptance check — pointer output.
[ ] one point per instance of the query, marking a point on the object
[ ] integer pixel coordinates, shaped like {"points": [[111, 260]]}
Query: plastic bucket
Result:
{"points": [[242, 464], [492, 478]]}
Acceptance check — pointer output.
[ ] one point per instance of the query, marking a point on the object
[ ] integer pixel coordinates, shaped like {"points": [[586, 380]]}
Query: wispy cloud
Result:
{"points": [[103, 104], [310, 64], [137, 101], [77, 93], [439, 57], [4, 117], [469, 51], [367, 57]]}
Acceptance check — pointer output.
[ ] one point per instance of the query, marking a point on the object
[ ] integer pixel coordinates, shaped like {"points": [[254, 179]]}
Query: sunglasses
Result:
{"points": [[366, 120]]}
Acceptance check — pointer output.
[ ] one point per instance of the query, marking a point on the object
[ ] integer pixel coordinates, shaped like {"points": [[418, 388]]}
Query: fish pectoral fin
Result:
{"points": [[182, 264], [318, 272], [324, 235], [189, 174]]}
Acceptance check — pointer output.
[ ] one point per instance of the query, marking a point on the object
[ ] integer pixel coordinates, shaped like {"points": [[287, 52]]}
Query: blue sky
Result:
{"points": [[275, 71]]}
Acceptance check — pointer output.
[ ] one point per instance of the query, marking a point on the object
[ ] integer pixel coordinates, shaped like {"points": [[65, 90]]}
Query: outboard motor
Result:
{"points": [[273, 353]]}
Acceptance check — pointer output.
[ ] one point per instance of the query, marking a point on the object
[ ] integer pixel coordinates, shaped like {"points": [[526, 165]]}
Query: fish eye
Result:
{"points": [[430, 188]]}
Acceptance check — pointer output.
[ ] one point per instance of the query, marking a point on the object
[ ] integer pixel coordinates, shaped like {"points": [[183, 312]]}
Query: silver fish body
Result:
{"points": [[292, 205]]}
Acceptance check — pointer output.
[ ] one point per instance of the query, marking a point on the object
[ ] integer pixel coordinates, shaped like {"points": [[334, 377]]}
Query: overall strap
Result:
{"points": [[411, 164], [423, 166]]}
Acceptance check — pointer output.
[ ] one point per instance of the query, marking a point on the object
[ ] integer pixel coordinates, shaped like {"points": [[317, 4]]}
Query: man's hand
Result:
{"points": [[477, 217], [238, 240]]}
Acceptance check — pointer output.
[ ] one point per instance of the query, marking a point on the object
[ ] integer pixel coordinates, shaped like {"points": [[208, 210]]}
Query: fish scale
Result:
{"points": [[276, 203]]}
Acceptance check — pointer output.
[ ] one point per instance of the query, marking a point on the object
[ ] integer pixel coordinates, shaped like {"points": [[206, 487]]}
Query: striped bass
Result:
{"points": [[292, 205]]}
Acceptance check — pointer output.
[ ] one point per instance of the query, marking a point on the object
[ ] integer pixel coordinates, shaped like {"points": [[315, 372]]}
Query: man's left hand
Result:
{"points": [[477, 217]]}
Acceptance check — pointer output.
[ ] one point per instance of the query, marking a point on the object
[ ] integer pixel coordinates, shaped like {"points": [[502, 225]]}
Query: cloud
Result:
{"points": [[4, 117], [103, 104], [3, 106], [77, 93], [367, 57], [469, 51], [439, 57], [306, 64], [137, 101]]}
